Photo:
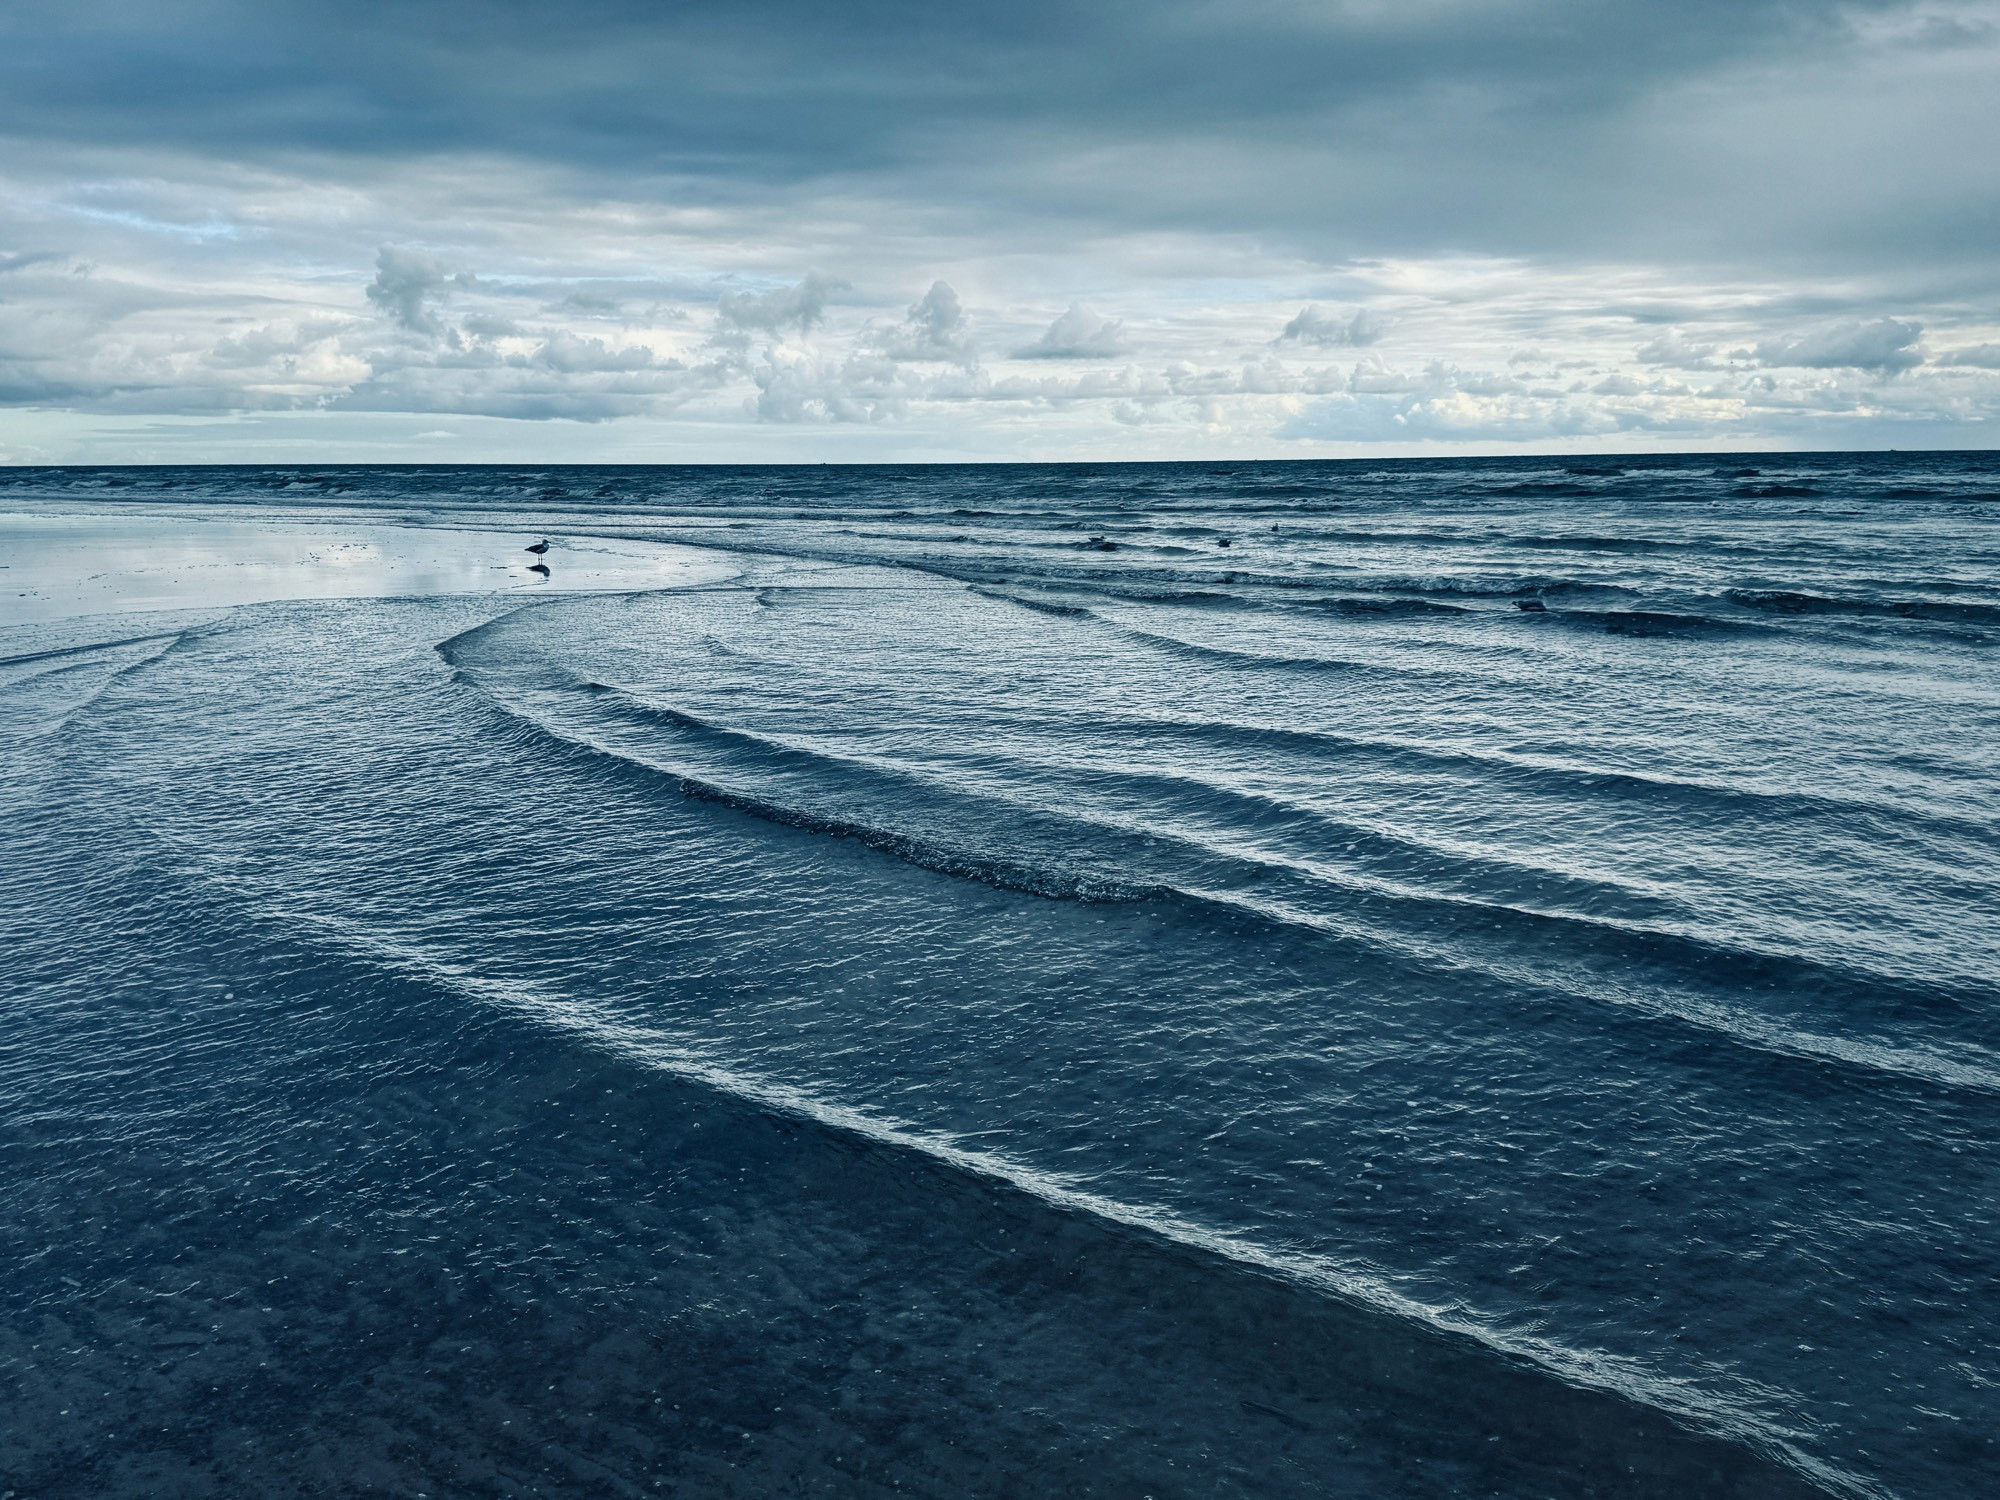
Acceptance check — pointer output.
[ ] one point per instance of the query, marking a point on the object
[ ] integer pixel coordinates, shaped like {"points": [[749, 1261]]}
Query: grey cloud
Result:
{"points": [[571, 355], [490, 326], [801, 306], [22, 260], [1676, 349], [934, 329], [1078, 334], [573, 382], [1978, 356], [1884, 345], [405, 284], [1316, 326], [1503, 124], [274, 344]]}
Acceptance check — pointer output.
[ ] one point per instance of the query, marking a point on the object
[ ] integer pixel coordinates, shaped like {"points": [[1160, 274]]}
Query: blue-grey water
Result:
{"points": [[1419, 978]]}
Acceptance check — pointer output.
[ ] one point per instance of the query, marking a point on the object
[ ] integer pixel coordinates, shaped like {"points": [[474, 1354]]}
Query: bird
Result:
{"points": [[540, 547]]}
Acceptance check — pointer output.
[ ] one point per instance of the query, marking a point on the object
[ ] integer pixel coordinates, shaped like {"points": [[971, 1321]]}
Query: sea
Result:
{"points": [[1446, 977]]}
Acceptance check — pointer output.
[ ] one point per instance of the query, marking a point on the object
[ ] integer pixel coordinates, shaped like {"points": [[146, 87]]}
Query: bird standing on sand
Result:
{"points": [[540, 547]]}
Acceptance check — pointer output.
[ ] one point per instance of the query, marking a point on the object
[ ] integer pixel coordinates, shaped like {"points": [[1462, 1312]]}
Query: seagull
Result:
{"points": [[540, 547]]}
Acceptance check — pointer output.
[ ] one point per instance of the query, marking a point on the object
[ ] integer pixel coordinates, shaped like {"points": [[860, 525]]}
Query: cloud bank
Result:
{"points": [[957, 230]]}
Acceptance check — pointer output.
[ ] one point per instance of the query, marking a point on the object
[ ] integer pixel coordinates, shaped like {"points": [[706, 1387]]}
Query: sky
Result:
{"points": [[676, 231]]}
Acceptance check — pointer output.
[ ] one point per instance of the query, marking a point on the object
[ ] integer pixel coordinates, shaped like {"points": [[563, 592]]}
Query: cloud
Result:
{"points": [[570, 355], [1319, 328], [406, 282], [465, 287], [801, 306], [1884, 345], [1078, 334], [934, 328], [276, 345], [1978, 356], [1540, 127], [483, 325], [1676, 349]]}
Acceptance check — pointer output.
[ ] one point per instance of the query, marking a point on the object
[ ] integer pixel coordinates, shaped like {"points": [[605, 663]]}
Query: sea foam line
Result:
{"points": [[598, 1025]]}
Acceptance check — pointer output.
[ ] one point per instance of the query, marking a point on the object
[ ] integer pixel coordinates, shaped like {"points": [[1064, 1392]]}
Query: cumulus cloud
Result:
{"points": [[1317, 327], [1674, 348], [801, 306], [258, 346], [1884, 345], [566, 352], [1078, 334], [574, 312], [407, 282], [934, 328]]}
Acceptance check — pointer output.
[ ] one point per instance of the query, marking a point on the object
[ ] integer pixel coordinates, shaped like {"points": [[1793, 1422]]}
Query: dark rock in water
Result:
{"points": [[1100, 544], [1222, 541], [1532, 606]]}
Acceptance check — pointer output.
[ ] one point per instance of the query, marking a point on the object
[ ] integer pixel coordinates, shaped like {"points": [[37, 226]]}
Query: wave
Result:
{"points": [[1613, 544], [1604, 1409], [1572, 781], [986, 868], [1641, 622], [1791, 602], [1548, 488], [1529, 586], [1039, 606], [54, 652], [1027, 877], [1259, 662], [81, 661], [1377, 605], [1675, 957]]}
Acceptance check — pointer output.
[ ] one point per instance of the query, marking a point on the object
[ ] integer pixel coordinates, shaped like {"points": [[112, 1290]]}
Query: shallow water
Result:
{"points": [[956, 978]]}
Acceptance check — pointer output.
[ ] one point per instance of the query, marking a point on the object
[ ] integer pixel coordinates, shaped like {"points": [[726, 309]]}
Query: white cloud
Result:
{"points": [[690, 328], [1884, 345], [800, 307], [1676, 349], [1078, 334], [934, 329], [1316, 326], [570, 355]]}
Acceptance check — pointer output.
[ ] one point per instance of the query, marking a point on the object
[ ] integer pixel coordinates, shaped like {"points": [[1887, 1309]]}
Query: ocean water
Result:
{"points": [[1420, 978]]}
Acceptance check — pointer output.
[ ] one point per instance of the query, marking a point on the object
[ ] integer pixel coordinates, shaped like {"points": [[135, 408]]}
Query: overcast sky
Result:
{"points": [[686, 230]]}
